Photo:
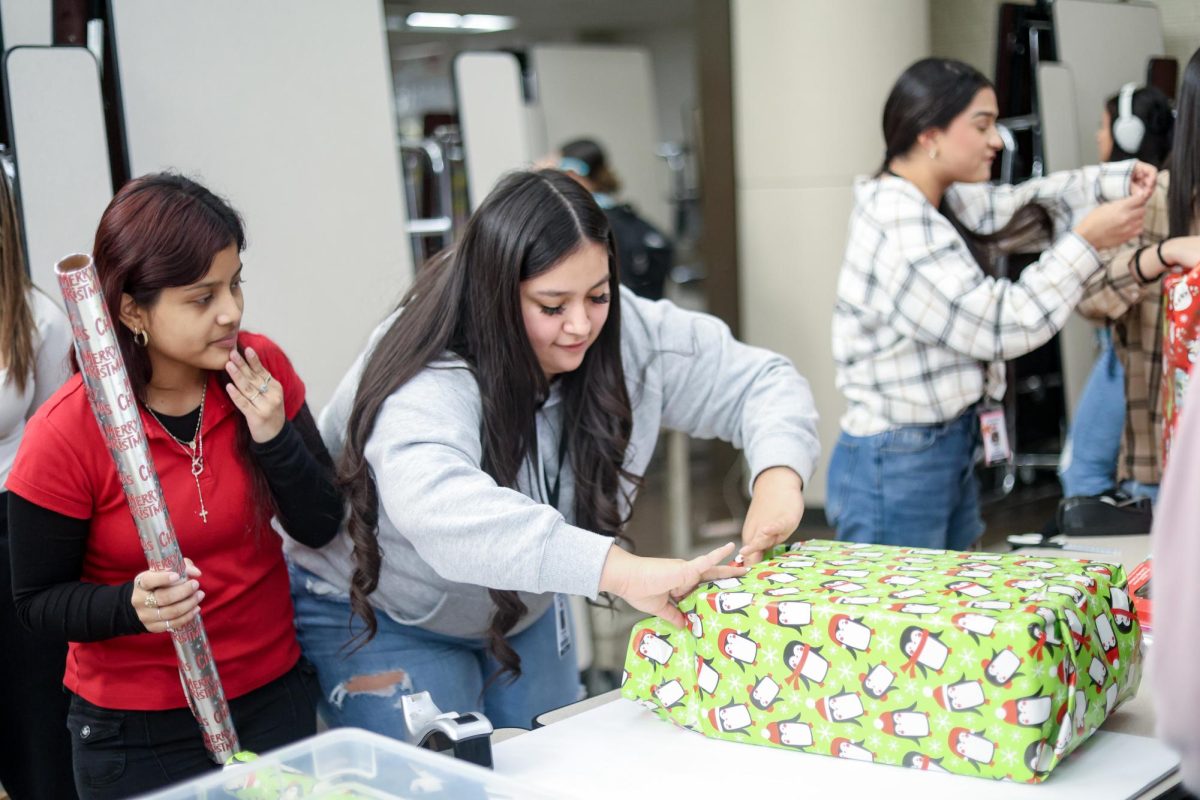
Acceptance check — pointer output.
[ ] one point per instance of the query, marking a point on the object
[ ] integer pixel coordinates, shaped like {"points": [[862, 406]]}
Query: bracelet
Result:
{"points": [[1158, 252], [1137, 265]]}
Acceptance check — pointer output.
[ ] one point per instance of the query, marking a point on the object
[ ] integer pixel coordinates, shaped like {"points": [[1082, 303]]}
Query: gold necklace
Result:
{"points": [[193, 449]]}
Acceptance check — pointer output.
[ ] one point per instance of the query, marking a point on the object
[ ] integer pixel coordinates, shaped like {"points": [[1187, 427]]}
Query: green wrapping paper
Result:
{"points": [[981, 664]]}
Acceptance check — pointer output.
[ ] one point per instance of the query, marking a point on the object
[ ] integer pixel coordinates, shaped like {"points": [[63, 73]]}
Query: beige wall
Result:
{"points": [[809, 84]]}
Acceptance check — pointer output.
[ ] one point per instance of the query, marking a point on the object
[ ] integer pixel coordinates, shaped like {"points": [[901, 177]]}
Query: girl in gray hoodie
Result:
{"points": [[490, 441]]}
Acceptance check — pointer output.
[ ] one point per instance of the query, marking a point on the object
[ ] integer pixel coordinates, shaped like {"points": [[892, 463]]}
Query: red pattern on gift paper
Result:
{"points": [[910, 666], [1180, 345], [1040, 645], [793, 680]]}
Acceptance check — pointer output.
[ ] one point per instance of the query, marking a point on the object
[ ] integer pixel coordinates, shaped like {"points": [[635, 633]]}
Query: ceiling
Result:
{"points": [[542, 19]]}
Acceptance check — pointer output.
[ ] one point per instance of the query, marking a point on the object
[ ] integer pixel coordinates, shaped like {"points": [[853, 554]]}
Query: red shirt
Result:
{"points": [[64, 465]]}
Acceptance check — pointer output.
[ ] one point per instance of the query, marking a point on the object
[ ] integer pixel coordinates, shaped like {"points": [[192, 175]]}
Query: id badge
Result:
{"points": [[994, 432], [562, 623]]}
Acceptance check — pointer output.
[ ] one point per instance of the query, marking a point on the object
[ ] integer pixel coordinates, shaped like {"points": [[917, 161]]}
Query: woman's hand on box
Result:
{"points": [[653, 585], [775, 511]]}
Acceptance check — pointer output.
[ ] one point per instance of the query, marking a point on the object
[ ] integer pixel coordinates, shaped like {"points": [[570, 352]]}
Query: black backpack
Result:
{"points": [[644, 254]]}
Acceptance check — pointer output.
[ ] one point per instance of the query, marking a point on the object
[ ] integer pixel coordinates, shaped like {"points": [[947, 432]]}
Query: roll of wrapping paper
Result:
{"points": [[115, 407]]}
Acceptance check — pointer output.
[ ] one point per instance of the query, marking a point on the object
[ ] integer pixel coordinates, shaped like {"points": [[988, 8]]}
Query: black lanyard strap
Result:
{"points": [[552, 490]]}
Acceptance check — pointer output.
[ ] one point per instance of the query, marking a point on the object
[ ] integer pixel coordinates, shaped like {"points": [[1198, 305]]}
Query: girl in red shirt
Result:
{"points": [[234, 445]]}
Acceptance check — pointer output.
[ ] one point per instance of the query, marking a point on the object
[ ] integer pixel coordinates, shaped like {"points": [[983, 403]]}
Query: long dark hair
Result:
{"points": [[467, 301], [1184, 163], [930, 94], [19, 331], [163, 230], [1154, 109]]}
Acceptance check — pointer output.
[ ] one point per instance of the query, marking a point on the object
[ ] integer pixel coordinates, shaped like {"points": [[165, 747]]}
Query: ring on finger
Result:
{"points": [[158, 612], [262, 389], [151, 601], [168, 623]]}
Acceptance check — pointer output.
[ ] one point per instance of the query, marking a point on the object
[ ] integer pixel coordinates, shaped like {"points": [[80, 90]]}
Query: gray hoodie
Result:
{"points": [[448, 532]]}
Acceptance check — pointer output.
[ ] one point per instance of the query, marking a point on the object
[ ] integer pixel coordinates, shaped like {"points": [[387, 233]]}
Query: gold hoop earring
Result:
{"points": [[141, 337]]}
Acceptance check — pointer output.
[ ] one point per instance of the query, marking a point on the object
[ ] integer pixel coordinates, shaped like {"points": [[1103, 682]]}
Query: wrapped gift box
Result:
{"points": [[980, 664], [1180, 345]]}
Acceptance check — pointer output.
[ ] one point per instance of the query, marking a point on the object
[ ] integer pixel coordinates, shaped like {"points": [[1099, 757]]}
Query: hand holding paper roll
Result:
{"points": [[164, 601]]}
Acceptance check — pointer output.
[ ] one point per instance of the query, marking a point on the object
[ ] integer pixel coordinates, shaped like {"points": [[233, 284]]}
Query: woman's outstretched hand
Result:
{"points": [[653, 585]]}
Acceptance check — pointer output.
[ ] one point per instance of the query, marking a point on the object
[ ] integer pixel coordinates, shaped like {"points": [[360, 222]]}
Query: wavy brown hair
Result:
{"points": [[467, 301]]}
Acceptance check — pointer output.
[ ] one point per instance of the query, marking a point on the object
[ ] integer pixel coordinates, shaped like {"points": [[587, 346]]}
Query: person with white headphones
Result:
{"points": [[1127, 292], [1137, 122]]}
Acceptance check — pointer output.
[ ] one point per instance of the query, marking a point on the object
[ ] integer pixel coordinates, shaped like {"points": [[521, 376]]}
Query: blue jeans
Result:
{"points": [[362, 688], [1138, 489], [913, 486], [1089, 461]]}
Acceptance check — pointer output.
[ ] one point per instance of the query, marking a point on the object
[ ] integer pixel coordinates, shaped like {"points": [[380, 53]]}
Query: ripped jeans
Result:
{"points": [[362, 689]]}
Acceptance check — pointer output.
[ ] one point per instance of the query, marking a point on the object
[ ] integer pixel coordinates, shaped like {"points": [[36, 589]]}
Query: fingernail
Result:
{"points": [[195, 584], [199, 596], [249, 351]]}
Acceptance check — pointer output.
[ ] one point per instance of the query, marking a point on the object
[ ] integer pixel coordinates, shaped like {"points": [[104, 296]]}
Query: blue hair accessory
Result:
{"points": [[575, 165]]}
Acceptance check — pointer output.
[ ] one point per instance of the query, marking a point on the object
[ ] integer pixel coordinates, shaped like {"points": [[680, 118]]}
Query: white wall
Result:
{"points": [[61, 152], [809, 84], [607, 93], [673, 59], [26, 22], [290, 115]]}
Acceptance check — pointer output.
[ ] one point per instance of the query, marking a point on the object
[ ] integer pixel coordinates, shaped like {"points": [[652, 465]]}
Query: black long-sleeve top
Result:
{"points": [[53, 602]]}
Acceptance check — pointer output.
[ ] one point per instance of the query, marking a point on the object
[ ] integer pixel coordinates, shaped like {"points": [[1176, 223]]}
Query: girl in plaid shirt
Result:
{"points": [[920, 329]]}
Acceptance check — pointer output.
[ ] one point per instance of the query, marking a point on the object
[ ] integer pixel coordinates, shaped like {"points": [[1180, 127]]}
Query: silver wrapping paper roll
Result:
{"points": [[111, 397]]}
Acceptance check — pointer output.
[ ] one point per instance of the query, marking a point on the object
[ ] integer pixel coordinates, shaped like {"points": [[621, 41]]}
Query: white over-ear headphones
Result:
{"points": [[1128, 130]]}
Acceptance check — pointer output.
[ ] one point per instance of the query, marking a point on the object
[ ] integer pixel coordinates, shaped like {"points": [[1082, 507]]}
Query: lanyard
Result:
{"points": [[551, 491]]}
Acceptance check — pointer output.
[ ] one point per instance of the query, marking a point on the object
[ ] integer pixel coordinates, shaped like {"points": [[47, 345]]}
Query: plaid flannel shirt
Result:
{"points": [[1135, 310], [919, 331]]}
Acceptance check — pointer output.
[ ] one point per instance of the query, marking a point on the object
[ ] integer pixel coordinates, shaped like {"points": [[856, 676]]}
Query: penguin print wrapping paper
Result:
{"points": [[1180, 345], [982, 664]]}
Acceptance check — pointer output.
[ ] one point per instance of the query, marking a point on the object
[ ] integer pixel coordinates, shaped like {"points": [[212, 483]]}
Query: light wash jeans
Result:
{"points": [[1089, 460], [402, 659]]}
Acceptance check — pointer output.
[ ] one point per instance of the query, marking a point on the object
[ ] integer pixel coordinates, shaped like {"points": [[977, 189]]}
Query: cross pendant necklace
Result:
{"points": [[194, 450]]}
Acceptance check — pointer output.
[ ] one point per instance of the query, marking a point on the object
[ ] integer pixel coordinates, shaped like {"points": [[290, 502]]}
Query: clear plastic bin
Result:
{"points": [[352, 764]]}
